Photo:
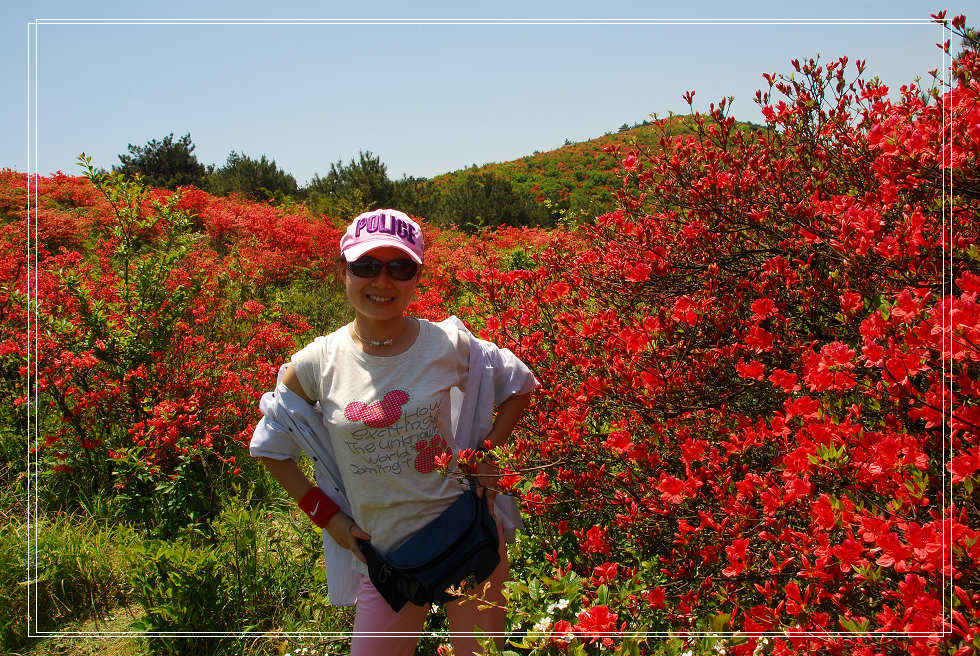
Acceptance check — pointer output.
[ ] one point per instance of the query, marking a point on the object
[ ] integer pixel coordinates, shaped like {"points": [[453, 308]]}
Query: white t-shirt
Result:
{"points": [[388, 418]]}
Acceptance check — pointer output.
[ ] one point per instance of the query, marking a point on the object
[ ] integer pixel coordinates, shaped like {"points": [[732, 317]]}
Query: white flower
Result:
{"points": [[542, 625], [561, 604]]}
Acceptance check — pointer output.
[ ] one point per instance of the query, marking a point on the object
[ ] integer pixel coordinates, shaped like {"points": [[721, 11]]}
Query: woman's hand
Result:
{"points": [[487, 473], [345, 532], [486, 478]]}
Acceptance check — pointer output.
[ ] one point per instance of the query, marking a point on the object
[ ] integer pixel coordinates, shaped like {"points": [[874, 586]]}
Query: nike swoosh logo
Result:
{"points": [[315, 508]]}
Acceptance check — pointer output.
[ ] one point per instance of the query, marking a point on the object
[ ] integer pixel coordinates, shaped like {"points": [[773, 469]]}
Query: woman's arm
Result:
{"points": [[290, 476], [508, 414], [340, 527], [291, 380]]}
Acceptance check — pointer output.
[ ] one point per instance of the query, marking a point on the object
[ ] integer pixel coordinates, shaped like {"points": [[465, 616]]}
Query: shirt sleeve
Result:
{"points": [[462, 358], [511, 376], [271, 438], [270, 441]]}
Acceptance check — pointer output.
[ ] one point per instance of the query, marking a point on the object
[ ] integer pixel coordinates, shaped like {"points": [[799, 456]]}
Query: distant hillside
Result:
{"points": [[576, 179], [571, 184]]}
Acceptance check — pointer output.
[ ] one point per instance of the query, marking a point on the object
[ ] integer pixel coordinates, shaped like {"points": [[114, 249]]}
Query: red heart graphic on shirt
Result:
{"points": [[425, 461], [380, 413]]}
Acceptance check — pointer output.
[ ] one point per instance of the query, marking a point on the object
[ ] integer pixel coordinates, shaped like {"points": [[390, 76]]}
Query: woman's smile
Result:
{"points": [[381, 298]]}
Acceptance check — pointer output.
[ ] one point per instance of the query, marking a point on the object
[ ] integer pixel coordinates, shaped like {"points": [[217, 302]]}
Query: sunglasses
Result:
{"points": [[369, 267]]}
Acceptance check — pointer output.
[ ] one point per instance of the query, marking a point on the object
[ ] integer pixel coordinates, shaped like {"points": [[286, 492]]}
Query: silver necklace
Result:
{"points": [[373, 342]]}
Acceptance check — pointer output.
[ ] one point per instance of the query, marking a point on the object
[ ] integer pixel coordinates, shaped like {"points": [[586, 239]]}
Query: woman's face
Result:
{"points": [[382, 297]]}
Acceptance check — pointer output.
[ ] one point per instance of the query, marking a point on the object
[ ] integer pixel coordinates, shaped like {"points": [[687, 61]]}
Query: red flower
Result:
{"points": [[965, 464], [671, 488], [639, 272], [851, 302], [596, 621], [562, 633], [763, 308], [541, 480], [784, 379], [823, 513], [619, 441], [684, 311], [596, 541], [759, 338], [656, 598], [604, 573], [850, 554], [969, 282], [754, 369], [736, 557]]}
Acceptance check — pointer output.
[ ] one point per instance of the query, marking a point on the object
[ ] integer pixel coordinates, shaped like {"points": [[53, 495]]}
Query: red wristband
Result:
{"points": [[318, 506]]}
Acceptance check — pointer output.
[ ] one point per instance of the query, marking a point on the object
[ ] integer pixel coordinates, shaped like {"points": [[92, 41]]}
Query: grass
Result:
{"points": [[119, 621], [94, 576], [116, 620]]}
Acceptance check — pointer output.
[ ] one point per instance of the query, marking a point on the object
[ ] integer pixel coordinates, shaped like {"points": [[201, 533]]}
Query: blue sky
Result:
{"points": [[425, 98]]}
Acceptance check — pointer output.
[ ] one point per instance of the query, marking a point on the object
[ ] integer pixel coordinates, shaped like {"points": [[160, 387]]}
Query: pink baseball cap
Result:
{"points": [[379, 228]]}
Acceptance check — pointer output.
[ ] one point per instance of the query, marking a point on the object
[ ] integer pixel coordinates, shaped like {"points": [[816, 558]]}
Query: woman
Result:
{"points": [[375, 405]]}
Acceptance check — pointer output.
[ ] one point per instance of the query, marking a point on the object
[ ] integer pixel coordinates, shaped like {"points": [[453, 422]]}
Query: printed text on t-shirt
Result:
{"points": [[392, 449]]}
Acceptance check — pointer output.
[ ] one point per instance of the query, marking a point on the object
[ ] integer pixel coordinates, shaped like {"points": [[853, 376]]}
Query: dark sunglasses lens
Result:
{"points": [[366, 267], [404, 269]]}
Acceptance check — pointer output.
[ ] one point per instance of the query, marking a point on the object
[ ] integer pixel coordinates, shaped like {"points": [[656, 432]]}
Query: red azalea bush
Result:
{"points": [[760, 378], [263, 242], [452, 258], [148, 348]]}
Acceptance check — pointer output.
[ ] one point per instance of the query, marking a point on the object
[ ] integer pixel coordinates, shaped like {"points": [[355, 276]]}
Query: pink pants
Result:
{"points": [[374, 616]]}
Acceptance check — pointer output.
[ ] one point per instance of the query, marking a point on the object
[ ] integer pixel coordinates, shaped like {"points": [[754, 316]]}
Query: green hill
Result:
{"points": [[570, 184], [576, 180]]}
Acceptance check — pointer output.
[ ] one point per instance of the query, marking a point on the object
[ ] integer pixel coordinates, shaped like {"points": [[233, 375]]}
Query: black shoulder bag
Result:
{"points": [[458, 549]]}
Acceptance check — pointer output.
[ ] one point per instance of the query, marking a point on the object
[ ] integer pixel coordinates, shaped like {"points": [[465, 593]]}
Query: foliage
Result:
{"points": [[252, 576], [350, 189], [484, 200], [760, 374], [253, 179], [166, 164], [415, 196], [577, 180], [151, 349], [759, 412], [78, 573], [259, 571]]}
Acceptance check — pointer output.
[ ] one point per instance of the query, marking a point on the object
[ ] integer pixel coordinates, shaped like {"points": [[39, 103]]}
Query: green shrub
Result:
{"points": [[321, 302], [180, 588], [77, 571], [272, 568], [258, 572]]}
